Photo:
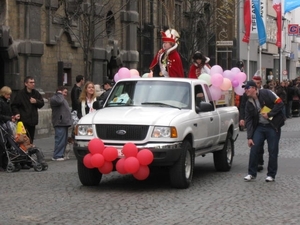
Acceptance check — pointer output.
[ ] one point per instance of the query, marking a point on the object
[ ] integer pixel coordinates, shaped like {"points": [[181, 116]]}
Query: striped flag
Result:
{"points": [[247, 21], [261, 30], [289, 5], [277, 8]]}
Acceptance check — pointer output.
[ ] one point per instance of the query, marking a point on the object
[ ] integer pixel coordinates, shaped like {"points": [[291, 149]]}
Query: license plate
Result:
{"points": [[120, 153]]}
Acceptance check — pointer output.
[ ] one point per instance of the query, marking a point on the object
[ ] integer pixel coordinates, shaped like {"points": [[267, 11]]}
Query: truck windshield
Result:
{"points": [[151, 93]]}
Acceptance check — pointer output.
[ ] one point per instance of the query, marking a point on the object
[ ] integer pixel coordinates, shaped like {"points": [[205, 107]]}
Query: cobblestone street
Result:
{"points": [[56, 196]]}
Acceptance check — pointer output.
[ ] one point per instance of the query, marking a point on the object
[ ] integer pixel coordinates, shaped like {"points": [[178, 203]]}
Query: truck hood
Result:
{"points": [[133, 115]]}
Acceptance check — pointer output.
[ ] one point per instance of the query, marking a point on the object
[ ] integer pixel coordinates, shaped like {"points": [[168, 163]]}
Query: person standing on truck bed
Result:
{"points": [[264, 119], [200, 65], [167, 62]]}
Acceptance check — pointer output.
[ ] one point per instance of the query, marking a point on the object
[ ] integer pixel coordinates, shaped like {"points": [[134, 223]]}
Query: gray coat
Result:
{"points": [[61, 113]]}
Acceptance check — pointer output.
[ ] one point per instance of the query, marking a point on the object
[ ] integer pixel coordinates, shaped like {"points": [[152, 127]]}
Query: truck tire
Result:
{"points": [[223, 158], [181, 172], [88, 177]]}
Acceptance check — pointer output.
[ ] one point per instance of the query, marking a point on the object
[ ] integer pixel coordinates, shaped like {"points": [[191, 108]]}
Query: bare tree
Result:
{"points": [[91, 24], [199, 28]]}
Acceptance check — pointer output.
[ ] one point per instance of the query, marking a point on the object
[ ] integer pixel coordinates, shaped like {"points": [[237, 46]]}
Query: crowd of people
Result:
{"points": [[24, 107]]}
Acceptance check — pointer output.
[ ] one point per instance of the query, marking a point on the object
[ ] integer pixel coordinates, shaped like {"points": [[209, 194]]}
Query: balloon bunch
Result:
{"points": [[135, 162], [126, 73], [220, 80], [99, 156]]}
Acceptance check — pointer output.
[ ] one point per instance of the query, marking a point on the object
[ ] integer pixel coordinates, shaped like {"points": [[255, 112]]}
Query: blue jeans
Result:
{"points": [[61, 140], [262, 133]]}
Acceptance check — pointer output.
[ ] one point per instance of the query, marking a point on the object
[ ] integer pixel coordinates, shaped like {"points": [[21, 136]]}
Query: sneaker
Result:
{"points": [[53, 159], [270, 179], [260, 168], [249, 177], [60, 159]]}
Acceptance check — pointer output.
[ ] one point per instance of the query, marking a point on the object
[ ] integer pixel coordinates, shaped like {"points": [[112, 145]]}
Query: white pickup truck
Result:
{"points": [[174, 118]]}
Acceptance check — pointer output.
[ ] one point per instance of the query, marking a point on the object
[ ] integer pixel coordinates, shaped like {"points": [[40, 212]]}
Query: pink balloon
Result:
{"points": [[87, 161], [131, 164], [124, 73], [129, 149], [110, 153], [235, 70], [145, 157], [241, 77], [228, 74], [97, 160], [239, 90], [120, 166], [142, 173], [215, 92], [235, 83], [106, 168], [116, 77], [216, 79], [134, 73], [96, 145], [226, 85], [216, 69]]}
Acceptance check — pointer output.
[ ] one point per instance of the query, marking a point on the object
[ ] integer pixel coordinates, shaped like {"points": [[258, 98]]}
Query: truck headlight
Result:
{"points": [[164, 132], [84, 130]]}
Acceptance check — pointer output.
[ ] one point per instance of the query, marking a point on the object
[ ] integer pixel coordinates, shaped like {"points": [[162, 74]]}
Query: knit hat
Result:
{"points": [[20, 128]]}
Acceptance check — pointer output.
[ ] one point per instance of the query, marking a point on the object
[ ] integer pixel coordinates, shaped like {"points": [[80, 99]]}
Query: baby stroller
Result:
{"points": [[15, 155]]}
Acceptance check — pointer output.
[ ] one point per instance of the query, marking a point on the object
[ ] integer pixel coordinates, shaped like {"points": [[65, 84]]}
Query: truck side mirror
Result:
{"points": [[204, 107], [98, 104]]}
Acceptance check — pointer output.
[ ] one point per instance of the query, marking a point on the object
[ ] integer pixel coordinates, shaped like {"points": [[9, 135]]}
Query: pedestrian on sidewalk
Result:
{"points": [[61, 120], [75, 92], [264, 119], [26, 103], [86, 99], [5, 116]]}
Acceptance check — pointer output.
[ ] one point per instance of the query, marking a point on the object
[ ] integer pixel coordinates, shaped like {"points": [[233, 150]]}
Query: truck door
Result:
{"points": [[205, 123]]}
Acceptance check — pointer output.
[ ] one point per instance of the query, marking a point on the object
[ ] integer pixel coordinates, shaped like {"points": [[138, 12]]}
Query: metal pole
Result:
{"points": [[280, 64], [259, 68], [248, 61]]}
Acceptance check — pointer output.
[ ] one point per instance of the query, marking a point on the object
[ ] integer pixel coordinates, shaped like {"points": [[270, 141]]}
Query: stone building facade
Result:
{"points": [[38, 39]]}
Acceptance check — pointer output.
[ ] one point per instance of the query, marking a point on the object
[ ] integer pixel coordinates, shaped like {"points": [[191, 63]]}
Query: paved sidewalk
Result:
{"points": [[47, 146]]}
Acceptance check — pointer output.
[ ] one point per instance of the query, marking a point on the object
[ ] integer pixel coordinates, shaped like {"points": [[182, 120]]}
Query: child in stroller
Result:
{"points": [[19, 150]]}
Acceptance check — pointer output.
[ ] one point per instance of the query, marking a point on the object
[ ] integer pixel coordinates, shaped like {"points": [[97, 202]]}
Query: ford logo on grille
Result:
{"points": [[121, 132]]}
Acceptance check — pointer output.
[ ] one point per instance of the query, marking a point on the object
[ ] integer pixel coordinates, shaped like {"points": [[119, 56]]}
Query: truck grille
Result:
{"points": [[122, 132]]}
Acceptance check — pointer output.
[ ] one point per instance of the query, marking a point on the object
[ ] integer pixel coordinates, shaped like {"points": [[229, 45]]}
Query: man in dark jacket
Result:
{"points": [[26, 103], [264, 119], [75, 92], [61, 120], [257, 80]]}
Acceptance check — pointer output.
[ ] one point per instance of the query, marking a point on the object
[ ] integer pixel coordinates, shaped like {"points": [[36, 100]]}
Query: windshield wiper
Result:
{"points": [[159, 103]]}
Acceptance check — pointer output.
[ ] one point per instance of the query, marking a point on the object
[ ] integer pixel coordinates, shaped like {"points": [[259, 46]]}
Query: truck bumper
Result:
{"points": [[165, 154]]}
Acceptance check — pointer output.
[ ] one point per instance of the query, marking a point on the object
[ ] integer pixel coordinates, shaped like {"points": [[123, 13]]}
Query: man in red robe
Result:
{"points": [[167, 62]]}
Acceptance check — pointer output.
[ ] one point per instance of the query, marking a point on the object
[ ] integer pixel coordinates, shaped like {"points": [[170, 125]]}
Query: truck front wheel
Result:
{"points": [[181, 172], [88, 177], [223, 158]]}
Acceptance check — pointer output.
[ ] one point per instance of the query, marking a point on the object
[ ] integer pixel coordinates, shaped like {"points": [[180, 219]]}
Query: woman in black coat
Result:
{"points": [[5, 115]]}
